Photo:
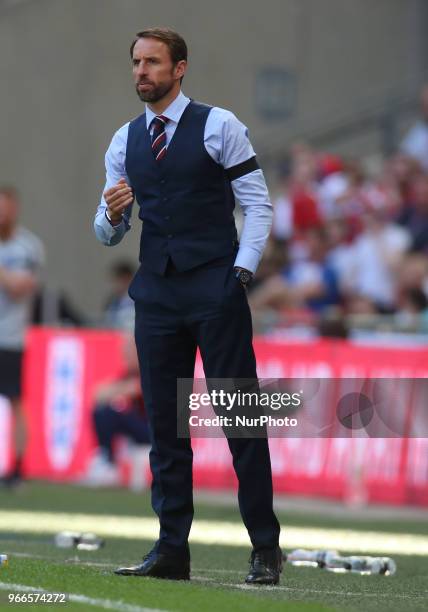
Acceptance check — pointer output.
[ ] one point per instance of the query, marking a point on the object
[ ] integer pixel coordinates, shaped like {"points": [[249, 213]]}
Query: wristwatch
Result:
{"points": [[244, 276]]}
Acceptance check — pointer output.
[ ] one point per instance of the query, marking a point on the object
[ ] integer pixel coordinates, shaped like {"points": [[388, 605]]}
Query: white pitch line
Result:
{"points": [[77, 561], [243, 587], [70, 561], [108, 604], [214, 532], [248, 587]]}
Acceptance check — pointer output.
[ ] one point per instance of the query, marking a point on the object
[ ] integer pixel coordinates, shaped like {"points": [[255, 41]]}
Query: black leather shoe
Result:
{"points": [[159, 565], [265, 566]]}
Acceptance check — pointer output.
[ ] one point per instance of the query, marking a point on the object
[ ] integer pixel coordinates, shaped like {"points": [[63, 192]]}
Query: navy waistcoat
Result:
{"points": [[185, 200]]}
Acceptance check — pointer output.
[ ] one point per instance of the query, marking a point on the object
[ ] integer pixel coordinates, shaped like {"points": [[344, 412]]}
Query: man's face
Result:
{"points": [[154, 73], [8, 212]]}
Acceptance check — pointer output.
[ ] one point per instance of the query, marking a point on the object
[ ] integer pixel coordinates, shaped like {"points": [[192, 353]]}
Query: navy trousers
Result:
{"points": [[205, 307], [109, 423]]}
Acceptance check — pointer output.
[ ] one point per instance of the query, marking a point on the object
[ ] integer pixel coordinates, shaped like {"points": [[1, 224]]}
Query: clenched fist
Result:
{"points": [[118, 198]]}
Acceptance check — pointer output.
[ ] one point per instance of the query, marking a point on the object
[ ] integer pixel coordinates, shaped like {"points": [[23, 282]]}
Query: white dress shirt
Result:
{"points": [[226, 141], [415, 144]]}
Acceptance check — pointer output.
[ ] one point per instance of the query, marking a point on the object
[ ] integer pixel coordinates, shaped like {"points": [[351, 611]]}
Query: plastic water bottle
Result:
{"points": [[81, 541], [311, 558], [389, 566], [89, 541], [67, 539], [338, 564], [384, 566], [363, 565], [324, 557], [4, 560]]}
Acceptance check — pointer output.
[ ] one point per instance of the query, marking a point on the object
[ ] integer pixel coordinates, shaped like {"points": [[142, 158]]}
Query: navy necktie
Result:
{"points": [[159, 137]]}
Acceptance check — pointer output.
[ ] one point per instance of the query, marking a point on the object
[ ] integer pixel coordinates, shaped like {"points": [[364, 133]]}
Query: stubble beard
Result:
{"points": [[155, 94]]}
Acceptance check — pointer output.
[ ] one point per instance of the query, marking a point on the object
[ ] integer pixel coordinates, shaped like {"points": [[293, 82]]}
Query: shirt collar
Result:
{"points": [[173, 112]]}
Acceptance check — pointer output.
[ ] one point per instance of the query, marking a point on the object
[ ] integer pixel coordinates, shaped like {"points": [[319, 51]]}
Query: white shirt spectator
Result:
{"points": [[415, 144], [22, 252], [341, 260], [331, 188], [373, 255], [282, 225]]}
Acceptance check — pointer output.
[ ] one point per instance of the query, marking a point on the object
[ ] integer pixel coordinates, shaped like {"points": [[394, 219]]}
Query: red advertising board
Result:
{"points": [[62, 371], [63, 368]]}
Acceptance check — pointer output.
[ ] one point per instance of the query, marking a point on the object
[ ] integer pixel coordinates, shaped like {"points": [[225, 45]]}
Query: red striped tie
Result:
{"points": [[159, 137]]}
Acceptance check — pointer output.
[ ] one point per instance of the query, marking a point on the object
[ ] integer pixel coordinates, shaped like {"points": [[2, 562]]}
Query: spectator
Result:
{"points": [[412, 313], [413, 301], [52, 307], [282, 223], [361, 306], [376, 255], [349, 202], [399, 174], [328, 165], [339, 249], [333, 326], [119, 411], [415, 144], [21, 260], [119, 309], [415, 216], [273, 261], [296, 209], [303, 190], [413, 272], [376, 259], [331, 188], [309, 283]]}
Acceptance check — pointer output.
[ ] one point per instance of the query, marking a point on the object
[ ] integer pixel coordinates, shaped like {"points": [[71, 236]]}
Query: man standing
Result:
{"points": [[21, 259], [185, 162], [415, 143]]}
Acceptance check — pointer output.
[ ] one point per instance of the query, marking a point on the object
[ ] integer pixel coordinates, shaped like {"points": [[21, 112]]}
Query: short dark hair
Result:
{"points": [[417, 298], [122, 268], [175, 43]]}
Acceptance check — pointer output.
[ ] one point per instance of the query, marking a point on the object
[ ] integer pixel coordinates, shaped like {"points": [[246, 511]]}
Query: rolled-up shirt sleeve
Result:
{"points": [[226, 140], [252, 193], [105, 232]]}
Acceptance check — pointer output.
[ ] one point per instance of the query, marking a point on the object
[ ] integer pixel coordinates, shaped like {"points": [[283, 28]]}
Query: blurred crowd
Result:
{"points": [[347, 241]]}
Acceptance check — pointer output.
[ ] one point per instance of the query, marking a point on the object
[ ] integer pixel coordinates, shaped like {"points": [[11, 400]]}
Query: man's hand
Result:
{"points": [[117, 199], [18, 284], [118, 390]]}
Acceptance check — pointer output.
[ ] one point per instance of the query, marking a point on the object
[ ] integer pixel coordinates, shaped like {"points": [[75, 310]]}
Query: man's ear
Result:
{"points": [[180, 69]]}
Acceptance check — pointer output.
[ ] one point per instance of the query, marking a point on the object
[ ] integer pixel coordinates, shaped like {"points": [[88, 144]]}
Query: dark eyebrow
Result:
{"points": [[149, 57]]}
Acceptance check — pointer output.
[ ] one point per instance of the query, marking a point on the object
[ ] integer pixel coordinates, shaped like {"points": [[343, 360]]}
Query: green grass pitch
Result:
{"points": [[217, 571]]}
